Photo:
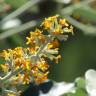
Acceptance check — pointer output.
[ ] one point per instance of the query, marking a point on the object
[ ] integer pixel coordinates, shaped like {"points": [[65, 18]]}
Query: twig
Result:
{"points": [[17, 29], [21, 10], [10, 74], [9, 91], [68, 10], [49, 38], [89, 9], [81, 26]]}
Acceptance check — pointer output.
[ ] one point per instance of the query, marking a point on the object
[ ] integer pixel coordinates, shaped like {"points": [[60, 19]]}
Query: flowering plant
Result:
{"points": [[24, 65]]}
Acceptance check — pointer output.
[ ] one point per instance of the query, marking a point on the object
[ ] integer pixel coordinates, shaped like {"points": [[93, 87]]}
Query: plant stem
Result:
{"points": [[10, 74], [9, 91], [85, 28], [21, 10], [68, 10], [15, 30], [48, 39]]}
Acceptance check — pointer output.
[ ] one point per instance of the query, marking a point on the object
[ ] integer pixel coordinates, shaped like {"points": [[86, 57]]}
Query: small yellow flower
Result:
{"points": [[35, 70], [5, 67], [18, 52], [57, 59], [42, 39], [37, 32], [43, 66], [57, 31], [40, 36], [53, 44], [26, 78], [69, 30], [31, 39], [63, 22], [32, 49], [41, 78], [47, 24], [17, 63], [10, 94], [5, 54], [26, 64], [53, 18]]}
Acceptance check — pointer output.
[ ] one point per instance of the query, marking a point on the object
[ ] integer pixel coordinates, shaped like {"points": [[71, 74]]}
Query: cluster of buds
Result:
{"points": [[25, 65]]}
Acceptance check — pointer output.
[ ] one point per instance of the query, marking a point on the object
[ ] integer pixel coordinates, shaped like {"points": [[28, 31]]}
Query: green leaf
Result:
{"points": [[79, 92], [68, 94], [16, 3], [80, 82], [86, 12], [34, 9]]}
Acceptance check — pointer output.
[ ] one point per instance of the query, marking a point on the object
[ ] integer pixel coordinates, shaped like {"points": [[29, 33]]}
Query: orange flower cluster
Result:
{"points": [[19, 59], [29, 63]]}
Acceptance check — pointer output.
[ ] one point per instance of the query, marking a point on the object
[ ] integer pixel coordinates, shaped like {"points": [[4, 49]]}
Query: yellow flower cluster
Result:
{"points": [[30, 63], [57, 26], [11, 94]]}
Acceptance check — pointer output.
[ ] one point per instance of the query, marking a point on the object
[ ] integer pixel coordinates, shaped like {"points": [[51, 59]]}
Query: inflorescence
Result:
{"points": [[25, 65]]}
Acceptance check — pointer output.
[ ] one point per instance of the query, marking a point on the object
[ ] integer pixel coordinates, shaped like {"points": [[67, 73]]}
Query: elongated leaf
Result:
{"points": [[86, 12], [16, 3]]}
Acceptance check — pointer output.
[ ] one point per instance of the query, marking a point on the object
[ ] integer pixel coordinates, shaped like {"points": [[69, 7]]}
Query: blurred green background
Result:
{"points": [[19, 17]]}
